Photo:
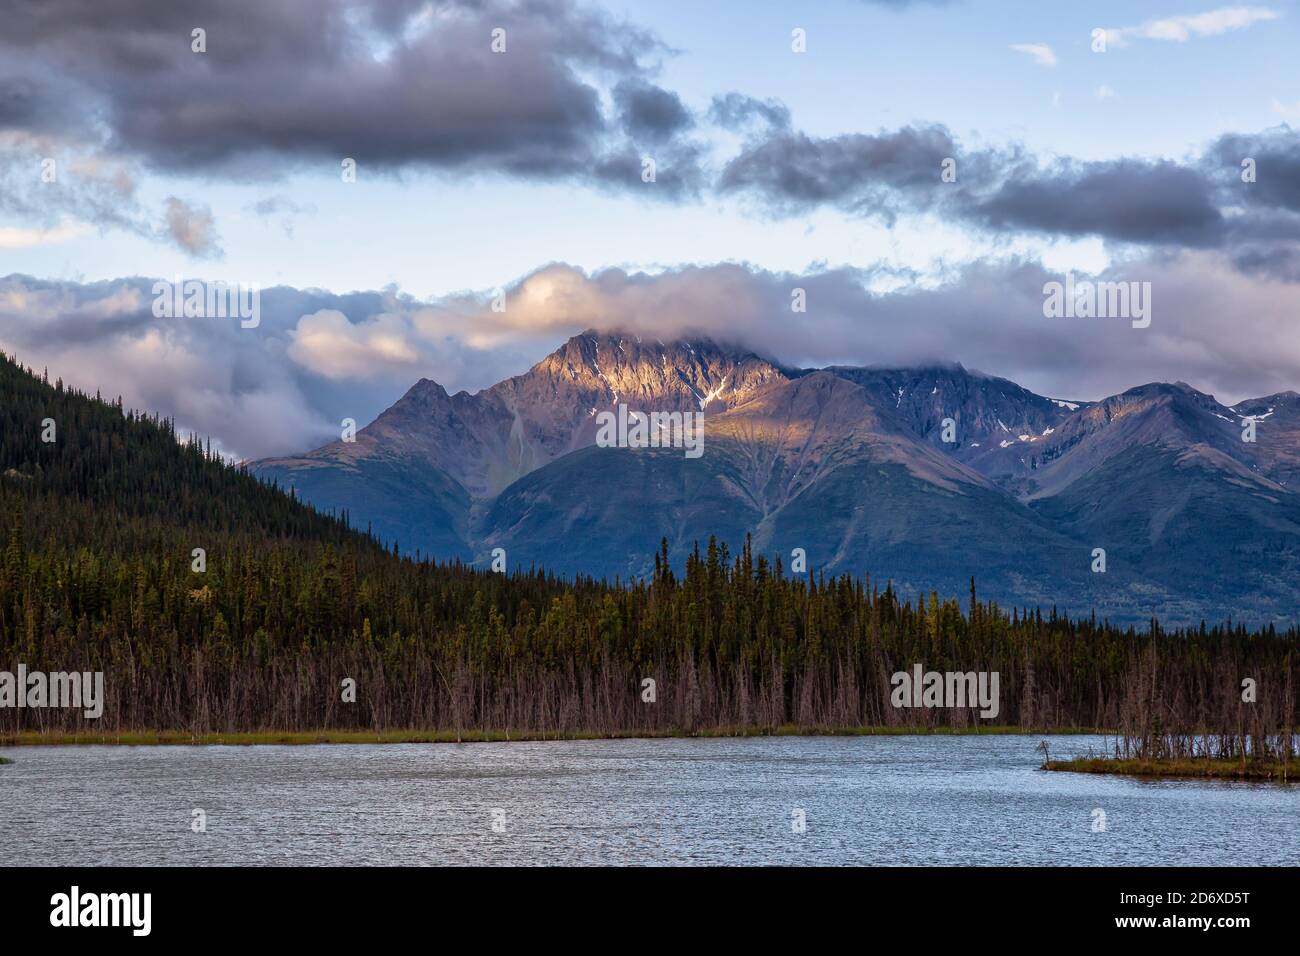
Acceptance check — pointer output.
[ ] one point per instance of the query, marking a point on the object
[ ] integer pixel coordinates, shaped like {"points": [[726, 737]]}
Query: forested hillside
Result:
{"points": [[100, 525]]}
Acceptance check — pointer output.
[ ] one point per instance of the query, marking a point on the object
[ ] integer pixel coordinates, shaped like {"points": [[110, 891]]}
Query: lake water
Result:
{"points": [[864, 800]]}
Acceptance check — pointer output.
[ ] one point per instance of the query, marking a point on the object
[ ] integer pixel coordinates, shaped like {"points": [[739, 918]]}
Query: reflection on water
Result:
{"points": [[866, 800]]}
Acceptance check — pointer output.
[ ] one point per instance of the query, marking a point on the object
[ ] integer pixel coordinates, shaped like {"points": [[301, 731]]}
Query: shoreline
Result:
{"points": [[145, 738], [1188, 769]]}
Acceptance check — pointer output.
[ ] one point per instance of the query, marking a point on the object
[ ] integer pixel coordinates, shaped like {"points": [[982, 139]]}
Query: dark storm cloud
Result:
{"points": [[407, 85], [1127, 200], [865, 174], [1197, 203], [737, 111], [650, 112], [677, 173], [1275, 262], [24, 104], [1274, 156], [391, 85]]}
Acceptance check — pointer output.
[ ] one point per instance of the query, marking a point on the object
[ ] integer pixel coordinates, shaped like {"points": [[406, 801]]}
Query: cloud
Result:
{"points": [[13, 238], [1180, 29], [62, 190], [986, 315], [868, 174], [237, 385], [735, 111], [649, 112], [1041, 52], [394, 85], [327, 343], [281, 209], [280, 205], [318, 357], [1275, 155], [45, 181], [411, 85], [1128, 200], [191, 228], [1193, 203]]}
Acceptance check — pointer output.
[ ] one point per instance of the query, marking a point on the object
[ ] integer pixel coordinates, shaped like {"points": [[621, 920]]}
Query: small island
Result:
{"points": [[1261, 754], [1195, 767]]}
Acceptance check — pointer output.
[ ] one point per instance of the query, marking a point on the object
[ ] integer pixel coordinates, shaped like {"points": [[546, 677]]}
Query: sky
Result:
{"points": [[794, 147]]}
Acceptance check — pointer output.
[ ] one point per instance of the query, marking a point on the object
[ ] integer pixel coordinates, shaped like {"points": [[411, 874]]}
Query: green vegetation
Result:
{"points": [[138, 738], [1185, 767], [97, 532]]}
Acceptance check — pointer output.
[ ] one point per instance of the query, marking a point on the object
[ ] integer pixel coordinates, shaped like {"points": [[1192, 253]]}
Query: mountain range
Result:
{"points": [[852, 465]]}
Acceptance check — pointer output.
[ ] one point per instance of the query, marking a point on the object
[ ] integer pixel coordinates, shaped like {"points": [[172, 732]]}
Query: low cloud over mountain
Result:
{"points": [[318, 357]]}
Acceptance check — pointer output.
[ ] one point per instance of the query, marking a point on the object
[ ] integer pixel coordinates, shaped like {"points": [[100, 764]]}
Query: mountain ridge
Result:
{"points": [[819, 454]]}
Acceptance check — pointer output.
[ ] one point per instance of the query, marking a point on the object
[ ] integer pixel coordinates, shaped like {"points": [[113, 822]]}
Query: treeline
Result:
{"points": [[97, 573]]}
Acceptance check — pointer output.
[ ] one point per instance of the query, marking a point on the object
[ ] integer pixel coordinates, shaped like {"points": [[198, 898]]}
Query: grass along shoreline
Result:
{"points": [[1202, 768], [138, 738]]}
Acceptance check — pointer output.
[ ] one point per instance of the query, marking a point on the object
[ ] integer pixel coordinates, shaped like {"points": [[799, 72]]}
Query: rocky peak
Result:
{"points": [[683, 374]]}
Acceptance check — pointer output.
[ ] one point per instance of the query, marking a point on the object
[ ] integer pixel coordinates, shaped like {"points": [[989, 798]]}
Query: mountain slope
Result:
{"points": [[808, 464], [850, 465], [124, 471], [1276, 449], [416, 471], [995, 421], [1227, 542]]}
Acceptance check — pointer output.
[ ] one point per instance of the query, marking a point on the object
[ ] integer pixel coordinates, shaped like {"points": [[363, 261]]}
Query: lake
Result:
{"points": [[861, 800]]}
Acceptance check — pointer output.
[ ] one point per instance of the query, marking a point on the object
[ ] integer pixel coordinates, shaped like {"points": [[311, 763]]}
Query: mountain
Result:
{"points": [[1276, 450], [1161, 476], [852, 465], [98, 530], [416, 472], [996, 422]]}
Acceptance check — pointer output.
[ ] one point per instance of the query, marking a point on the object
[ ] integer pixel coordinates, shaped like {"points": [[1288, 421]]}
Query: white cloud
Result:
{"points": [[318, 358], [192, 228], [1180, 29], [1104, 92], [1041, 52], [16, 238], [327, 343]]}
